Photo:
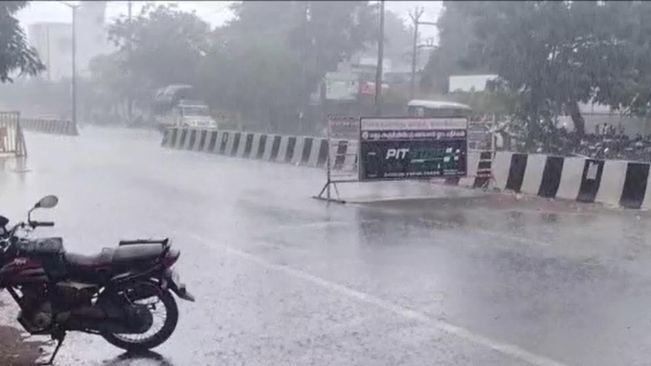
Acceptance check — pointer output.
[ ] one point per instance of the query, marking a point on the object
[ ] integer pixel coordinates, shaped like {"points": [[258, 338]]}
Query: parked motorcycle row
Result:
{"points": [[123, 294], [602, 146]]}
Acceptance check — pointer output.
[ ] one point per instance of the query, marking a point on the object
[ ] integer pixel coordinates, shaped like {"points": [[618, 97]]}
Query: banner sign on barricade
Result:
{"points": [[413, 148]]}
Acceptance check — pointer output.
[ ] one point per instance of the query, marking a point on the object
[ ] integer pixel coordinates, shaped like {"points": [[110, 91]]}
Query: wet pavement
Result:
{"points": [[16, 349], [462, 278]]}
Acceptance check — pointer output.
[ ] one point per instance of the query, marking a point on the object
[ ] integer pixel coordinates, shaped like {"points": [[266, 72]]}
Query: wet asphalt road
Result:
{"points": [[282, 279]]}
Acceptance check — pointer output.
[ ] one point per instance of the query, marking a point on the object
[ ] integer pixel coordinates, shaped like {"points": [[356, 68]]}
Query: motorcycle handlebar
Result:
{"points": [[41, 223]]}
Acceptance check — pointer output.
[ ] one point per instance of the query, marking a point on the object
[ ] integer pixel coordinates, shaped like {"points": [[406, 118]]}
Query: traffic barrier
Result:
{"points": [[12, 141], [611, 182], [635, 185], [484, 172], [299, 150], [590, 180], [51, 126], [571, 178], [550, 179]]}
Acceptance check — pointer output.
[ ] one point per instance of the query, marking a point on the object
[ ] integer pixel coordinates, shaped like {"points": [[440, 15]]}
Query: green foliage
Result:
{"points": [[36, 97], [331, 32], [553, 55], [165, 35], [15, 54], [397, 39], [262, 65], [453, 55]]}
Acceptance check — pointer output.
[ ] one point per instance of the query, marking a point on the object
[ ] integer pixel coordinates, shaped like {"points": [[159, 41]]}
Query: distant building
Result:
{"points": [[53, 41], [92, 37]]}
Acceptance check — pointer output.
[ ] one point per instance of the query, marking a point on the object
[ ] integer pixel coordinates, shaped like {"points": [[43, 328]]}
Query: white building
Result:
{"points": [[92, 37], [53, 41]]}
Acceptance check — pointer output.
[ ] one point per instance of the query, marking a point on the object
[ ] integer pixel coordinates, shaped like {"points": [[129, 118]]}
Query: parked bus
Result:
{"points": [[435, 108], [479, 130]]}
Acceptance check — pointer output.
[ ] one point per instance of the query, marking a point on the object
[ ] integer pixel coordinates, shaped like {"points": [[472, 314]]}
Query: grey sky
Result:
{"points": [[214, 12]]}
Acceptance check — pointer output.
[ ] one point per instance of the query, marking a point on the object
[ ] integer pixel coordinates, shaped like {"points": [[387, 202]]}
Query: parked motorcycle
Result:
{"points": [[123, 294]]}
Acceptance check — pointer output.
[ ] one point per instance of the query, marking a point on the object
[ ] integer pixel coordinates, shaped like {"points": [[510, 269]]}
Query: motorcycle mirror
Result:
{"points": [[47, 202]]}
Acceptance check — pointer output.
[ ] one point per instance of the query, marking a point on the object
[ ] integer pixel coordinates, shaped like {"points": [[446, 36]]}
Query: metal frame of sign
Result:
{"points": [[361, 160], [330, 182]]}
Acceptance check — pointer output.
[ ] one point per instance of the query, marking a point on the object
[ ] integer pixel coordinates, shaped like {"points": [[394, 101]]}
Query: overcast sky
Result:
{"points": [[214, 12]]}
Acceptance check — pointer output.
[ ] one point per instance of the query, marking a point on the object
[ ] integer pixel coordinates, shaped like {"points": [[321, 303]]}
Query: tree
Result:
{"points": [[110, 86], [398, 39], [266, 62], [328, 33], [262, 65], [160, 46], [453, 52], [15, 54], [557, 54]]}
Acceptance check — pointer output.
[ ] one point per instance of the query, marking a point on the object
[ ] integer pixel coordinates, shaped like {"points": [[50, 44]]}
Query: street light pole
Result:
{"points": [[74, 64], [74, 59], [130, 45], [415, 17], [380, 67]]}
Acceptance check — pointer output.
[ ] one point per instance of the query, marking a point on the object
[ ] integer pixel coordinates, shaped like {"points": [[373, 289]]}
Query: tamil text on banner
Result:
{"points": [[411, 148]]}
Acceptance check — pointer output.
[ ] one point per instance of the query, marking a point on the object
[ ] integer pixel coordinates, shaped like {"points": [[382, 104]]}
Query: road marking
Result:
{"points": [[463, 333]]}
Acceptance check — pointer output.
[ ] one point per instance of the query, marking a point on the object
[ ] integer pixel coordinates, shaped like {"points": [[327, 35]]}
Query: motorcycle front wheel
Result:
{"points": [[165, 313]]}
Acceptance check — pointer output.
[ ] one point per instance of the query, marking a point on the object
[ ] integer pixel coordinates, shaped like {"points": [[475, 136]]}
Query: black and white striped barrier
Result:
{"points": [[51, 126], [612, 182], [299, 150]]}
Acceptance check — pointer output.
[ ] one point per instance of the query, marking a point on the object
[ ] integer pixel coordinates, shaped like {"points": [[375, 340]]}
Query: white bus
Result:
{"points": [[435, 108], [479, 134]]}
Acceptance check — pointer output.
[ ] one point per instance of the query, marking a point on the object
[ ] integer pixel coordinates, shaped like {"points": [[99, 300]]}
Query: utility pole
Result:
{"points": [[74, 64], [415, 17], [305, 54], [380, 57], [47, 35], [74, 59], [129, 49]]}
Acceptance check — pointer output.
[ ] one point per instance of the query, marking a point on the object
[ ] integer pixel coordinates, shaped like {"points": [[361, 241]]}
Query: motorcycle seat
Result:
{"points": [[118, 256], [136, 252], [81, 261]]}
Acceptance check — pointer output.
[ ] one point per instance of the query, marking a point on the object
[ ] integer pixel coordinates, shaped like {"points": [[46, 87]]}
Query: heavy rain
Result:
{"points": [[325, 183]]}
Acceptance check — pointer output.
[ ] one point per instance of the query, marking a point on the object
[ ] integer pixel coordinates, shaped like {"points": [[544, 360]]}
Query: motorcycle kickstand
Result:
{"points": [[59, 337]]}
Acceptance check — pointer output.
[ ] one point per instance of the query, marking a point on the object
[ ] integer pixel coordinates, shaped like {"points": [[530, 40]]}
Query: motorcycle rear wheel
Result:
{"points": [[131, 343]]}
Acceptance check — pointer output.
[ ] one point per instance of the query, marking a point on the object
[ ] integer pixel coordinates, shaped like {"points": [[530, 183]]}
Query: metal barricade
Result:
{"points": [[12, 142]]}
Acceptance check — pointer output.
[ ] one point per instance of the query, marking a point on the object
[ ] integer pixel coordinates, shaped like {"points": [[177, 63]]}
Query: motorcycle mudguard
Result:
{"points": [[176, 286]]}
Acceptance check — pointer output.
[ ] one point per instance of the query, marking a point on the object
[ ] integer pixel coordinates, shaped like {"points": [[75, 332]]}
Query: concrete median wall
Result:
{"points": [[297, 150], [611, 182], [51, 126]]}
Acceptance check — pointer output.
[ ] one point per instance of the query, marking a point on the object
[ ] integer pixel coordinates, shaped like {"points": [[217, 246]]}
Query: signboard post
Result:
{"points": [[374, 149], [412, 148], [342, 160]]}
